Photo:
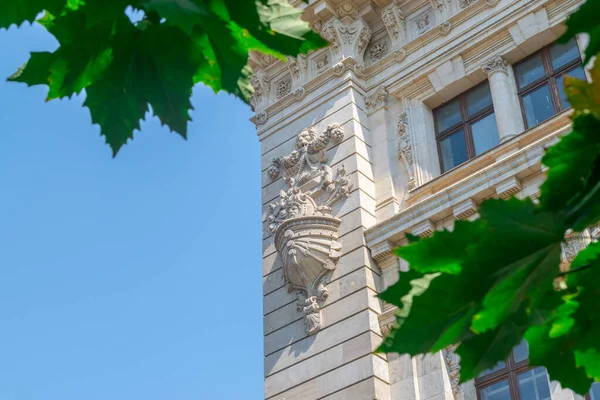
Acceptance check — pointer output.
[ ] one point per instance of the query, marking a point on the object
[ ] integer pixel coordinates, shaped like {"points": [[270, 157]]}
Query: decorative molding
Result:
{"points": [[445, 27], [359, 70], [492, 3], [423, 229], [339, 68], [298, 67], [283, 87], [378, 50], [347, 40], [306, 234], [347, 11], [422, 22], [466, 3], [394, 22], [495, 64], [322, 62], [405, 151], [508, 187], [261, 117], [464, 209], [399, 55], [377, 100], [453, 363], [299, 93], [447, 73], [529, 25]]}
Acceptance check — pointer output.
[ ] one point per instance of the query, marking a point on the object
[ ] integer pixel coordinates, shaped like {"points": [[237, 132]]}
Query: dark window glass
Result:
{"points": [[514, 379], [540, 81], [497, 391], [577, 72], [447, 116], [530, 70], [538, 105], [563, 54], [465, 127], [454, 150], [485, 134]]}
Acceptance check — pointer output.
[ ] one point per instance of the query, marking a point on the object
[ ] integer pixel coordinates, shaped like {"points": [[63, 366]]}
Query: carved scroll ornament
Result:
{"points": [[306, 234]]}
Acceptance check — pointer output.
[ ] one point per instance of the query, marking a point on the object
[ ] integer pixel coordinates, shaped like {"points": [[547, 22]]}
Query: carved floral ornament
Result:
{"points": [[495, 64], [405, 152], [305, 232]]}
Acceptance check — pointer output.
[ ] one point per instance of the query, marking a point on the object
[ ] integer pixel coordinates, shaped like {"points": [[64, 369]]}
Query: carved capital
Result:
{"points": [[394, 22], [260, 83], [495, 64], [377, 100], [347, 40], [298, 67]]}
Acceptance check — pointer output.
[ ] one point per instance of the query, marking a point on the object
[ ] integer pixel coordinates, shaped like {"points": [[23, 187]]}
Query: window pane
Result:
{"points": [[538, 106], [447, 116], [454, 150], [521, 352], [498, 367], [530, 71], [533, 385], [595, 392], [485, 134], [498, 391], [562, 54], [479, 98], [576, 73]]}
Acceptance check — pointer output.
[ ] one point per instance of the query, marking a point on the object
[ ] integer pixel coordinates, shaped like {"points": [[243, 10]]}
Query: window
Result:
{"points": [[465, 127], [540, 81], [594, 393], [514, 379]]}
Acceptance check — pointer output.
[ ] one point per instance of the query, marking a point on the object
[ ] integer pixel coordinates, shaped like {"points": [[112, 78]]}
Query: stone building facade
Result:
{"points": [[417, 112]]}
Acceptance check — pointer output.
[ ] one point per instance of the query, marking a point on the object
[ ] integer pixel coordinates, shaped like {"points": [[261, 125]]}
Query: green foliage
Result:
{"points": [[492, 282], [126, 67]]}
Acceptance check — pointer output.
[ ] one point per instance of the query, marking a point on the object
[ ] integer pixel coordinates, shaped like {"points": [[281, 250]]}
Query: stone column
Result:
{"points": [[504, 98], [426, 165]]}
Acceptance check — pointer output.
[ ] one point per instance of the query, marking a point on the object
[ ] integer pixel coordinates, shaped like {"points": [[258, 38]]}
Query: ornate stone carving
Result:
{"points": [[466, 3], [405, 149], [573, 244], [322, 62], [299, 93], [347, 40], [339, 68], [298, 67], [283, 87], [399, 55], [422, 22], [377, 100], [495, 64], [491, 3], [306, 235], [378, 50], [359, 70], [393, 20], [261, 117], [347, 10], [445, 27], [267, 60], [261, 85], [453, 363]]}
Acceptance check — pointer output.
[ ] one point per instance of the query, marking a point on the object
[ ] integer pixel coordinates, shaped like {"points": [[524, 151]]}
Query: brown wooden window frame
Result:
{"points": [[465, 124], [550, 77], [510, 372]]}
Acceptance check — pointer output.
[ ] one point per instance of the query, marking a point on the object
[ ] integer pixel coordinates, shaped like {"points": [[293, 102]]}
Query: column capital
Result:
{"points": [[495, 64]]}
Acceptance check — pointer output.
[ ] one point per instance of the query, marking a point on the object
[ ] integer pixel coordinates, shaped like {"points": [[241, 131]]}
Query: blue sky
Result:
{"points": [[129, 278]]}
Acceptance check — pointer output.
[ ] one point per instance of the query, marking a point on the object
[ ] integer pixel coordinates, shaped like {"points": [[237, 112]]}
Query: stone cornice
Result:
{"points": [[474, 179]]}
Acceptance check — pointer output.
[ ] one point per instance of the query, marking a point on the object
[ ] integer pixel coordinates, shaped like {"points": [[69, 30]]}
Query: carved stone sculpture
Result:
{"points": [[305, 232], [405, 149], [347, 40]]}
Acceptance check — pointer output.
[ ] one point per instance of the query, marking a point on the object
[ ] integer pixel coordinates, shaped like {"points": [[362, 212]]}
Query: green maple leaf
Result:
{"points": [[492, 272], [585, 20], [16, 12]]}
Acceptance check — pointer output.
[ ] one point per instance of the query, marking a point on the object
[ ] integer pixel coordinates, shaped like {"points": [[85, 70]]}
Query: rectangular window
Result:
{"points": [[540, 81], [465, 127], [514, 379]]}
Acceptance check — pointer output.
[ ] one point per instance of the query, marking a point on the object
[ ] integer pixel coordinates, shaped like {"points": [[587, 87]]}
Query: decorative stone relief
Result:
{"points": [[399, 55], [261, 117], [322, 62], [347, 40], [347, 11], [466, 3], [393, 20], [423, 22], [453, 363], [378, 50], [445, 27], [261, 85], [377, 100], [359, 70], [283, 87], [495, 64], [298, 67], [267, 60], [491, 3], [405, 152], [306, 234], [299, 93]]}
